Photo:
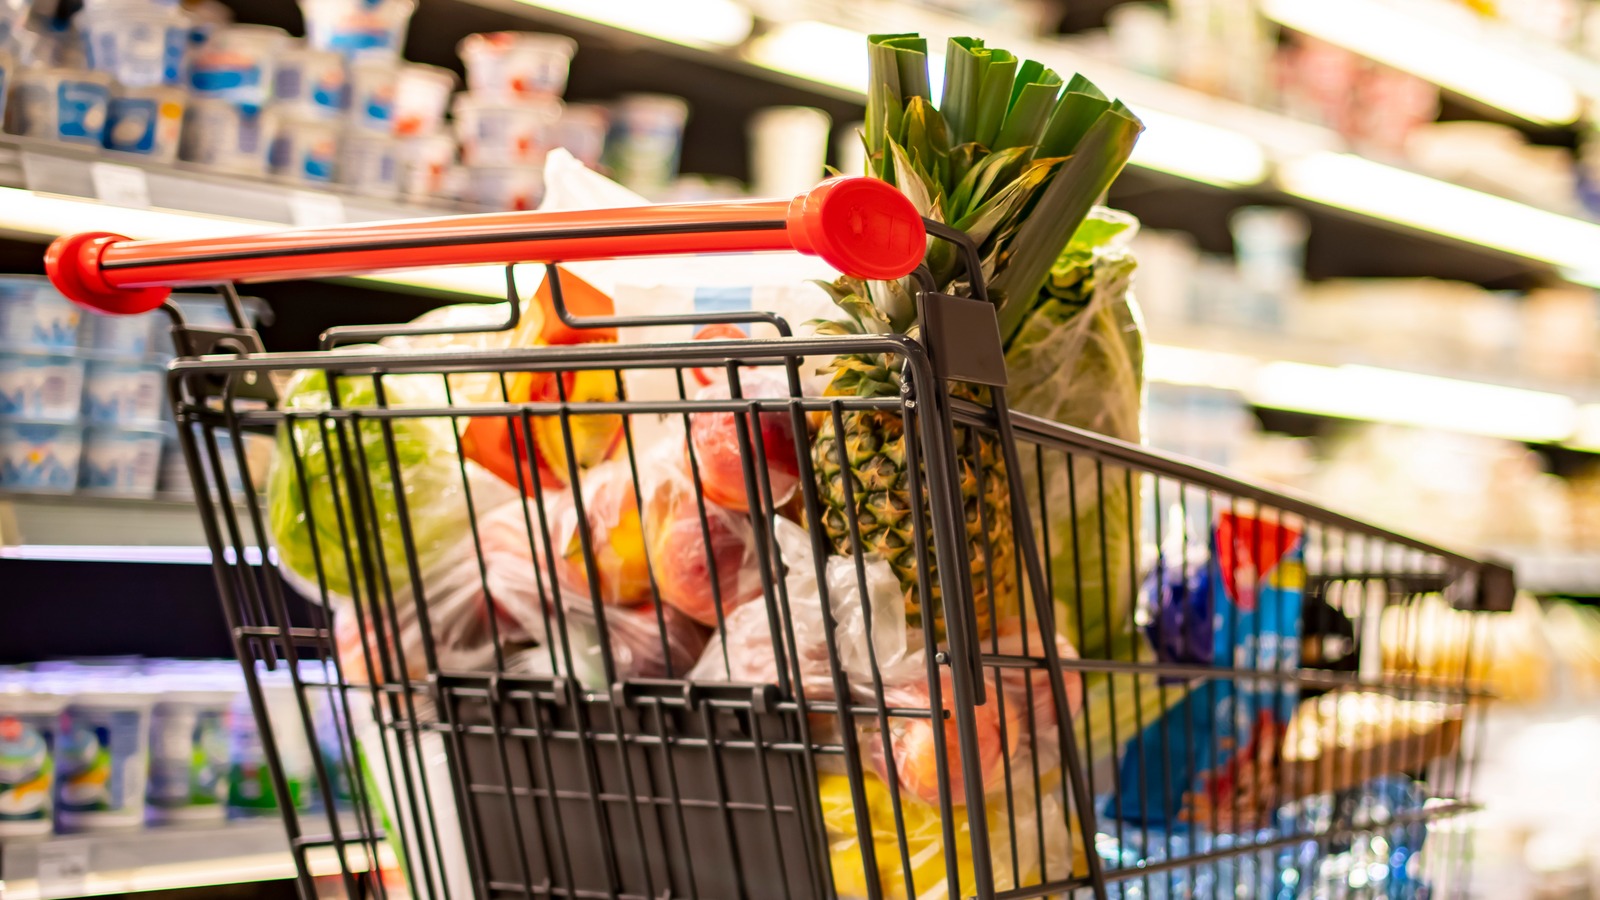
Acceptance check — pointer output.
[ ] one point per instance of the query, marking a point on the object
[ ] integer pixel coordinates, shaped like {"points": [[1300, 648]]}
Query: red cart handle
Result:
{"points": [[860, 226]]}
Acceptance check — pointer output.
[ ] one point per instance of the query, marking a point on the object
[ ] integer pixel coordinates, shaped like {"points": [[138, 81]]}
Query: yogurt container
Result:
{"points": [[61, 104], [508, 65], [425, 164], [646, 135], [189, 756], [126, 336], [373, 85], [237, 63], [139, 45], [124, 392], [41, 385], [121, 462], [102, 756], [311, 83], [34, 314], [305, 151], [227, 136], [370, 164], [358, 28], [40, 457], [581, 131], [250, 789], [29, 723], [504, 188], [147, 121], [421, 95], [205, 18], [502, 133]]}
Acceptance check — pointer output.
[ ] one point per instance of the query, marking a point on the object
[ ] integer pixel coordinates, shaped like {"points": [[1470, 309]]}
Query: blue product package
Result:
{"points": [[81, 110], [1200, 760]]}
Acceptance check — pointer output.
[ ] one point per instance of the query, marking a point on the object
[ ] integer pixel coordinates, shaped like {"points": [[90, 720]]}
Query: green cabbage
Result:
{"points": [[429, 484], [1077, 357]]}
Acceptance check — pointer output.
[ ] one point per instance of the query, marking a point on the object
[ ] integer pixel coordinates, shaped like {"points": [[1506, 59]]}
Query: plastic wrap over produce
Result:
{"points": [[329, 468], [646, 640]]}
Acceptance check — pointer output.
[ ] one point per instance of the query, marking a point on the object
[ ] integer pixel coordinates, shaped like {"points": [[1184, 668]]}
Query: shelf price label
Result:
{"points": [[309, 209], [63, 868], [120, 185]]}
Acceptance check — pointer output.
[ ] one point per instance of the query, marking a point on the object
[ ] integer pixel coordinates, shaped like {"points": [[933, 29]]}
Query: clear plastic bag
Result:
{"points": [[702, 554], [615, 535], [645, 641], [715, 439]]}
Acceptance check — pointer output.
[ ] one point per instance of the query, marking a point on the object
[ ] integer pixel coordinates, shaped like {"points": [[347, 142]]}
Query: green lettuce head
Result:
{"points": [[347, 531]]}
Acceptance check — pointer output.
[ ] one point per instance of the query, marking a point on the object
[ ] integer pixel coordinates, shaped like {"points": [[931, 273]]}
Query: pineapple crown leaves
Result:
{"points": [[1011, 155]]}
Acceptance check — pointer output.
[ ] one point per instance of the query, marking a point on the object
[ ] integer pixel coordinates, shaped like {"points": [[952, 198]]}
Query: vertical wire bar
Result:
{"points": [[675, 795]]}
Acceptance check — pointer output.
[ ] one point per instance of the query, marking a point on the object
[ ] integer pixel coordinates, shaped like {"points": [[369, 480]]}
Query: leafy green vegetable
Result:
{"points": [[331, 525], [1077, 357]]}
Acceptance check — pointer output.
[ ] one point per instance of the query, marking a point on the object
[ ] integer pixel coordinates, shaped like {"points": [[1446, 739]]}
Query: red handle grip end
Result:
{"points": [[73, 264], [863, 227]]}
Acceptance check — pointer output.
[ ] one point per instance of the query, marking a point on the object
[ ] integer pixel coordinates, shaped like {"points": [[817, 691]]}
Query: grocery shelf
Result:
{"points": [[166, 858], [1276, 372], [1567, 573], [101, 529]]}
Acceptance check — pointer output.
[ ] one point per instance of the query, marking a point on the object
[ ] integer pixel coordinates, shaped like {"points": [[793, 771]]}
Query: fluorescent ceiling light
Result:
{"points": [[693, 23], [1384, 192], [1433, 44], [1381, 395], [815, 51], [1407, 398], [1198, 151], [49, 215]]}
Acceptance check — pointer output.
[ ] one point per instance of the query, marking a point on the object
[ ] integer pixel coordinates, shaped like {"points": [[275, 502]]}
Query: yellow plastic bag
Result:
{"points": [[925, 840]]}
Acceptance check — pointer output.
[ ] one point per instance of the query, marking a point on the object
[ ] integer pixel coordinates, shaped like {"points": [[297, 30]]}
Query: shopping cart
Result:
{"points": [[1151, 678]]}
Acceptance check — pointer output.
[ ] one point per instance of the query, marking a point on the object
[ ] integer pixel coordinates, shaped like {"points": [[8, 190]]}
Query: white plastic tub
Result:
{"points": [[504, 188], [121, 336], [39, 457], [29, 722], [358, 28], [189, 756], [372, 94], [138, 44], [61, 104], [311, 84], [237, 63], [121, 462], [147, 121], [124, 392], [370, 164], [306, 151], [496, 132], [510, 65], [646, 135], [34, 314], [581, 131], [421, 96], [44, 385], [425, 165], [102, 758], [227, 136]]}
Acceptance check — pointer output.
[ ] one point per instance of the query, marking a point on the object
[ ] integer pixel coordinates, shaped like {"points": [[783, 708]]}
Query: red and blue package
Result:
{"points": [[1211, 757]]}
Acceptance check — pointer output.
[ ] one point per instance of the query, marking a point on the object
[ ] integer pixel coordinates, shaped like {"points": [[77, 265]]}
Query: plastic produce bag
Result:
{"points": [[702, 554], [928, 875], [1077, 357], [385, 640], [645, 641], [743, 651], [715, 439], [415, 502], [615, 536], [465, 387]]}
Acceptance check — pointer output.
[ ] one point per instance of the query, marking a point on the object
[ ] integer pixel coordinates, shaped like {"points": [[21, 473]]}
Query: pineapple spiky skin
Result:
{"points": [[874, 459]]}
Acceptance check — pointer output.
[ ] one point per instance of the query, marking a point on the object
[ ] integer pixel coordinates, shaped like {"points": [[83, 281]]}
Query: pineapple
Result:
{"points": [[879, 494], [1014, 158]]}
